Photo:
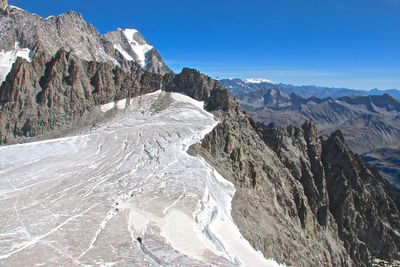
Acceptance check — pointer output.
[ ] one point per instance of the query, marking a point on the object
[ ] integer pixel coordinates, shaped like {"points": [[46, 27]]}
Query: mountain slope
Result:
{"points": [[386, 161], [368, 123], [286, 179]]}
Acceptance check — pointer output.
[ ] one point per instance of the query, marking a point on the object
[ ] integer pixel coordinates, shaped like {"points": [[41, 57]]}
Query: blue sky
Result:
{"points": [[354, 44]]}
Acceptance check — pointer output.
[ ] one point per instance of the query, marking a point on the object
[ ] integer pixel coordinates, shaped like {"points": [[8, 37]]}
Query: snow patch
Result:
{"points": [[257, 80], [214, 219], [107, 107], [140, 49], [8, 58], [121, 104]]}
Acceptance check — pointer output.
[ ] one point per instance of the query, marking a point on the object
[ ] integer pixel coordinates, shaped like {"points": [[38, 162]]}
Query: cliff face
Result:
{"points": [[3, 4], [299, 199], [46, 98]]}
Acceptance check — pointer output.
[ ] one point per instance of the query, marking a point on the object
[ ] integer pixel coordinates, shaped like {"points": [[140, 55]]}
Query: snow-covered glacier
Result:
{"points": [[123, 193]]}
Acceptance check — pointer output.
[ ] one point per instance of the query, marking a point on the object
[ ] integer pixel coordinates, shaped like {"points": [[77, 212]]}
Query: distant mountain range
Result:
{"points": [[370, 124], [254, 84]]}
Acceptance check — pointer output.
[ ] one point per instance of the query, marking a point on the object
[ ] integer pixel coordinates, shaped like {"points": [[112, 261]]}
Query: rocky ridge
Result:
{"points": [[47, 98], [369, 124], [3, 4], [45, 36], [301, 200]]}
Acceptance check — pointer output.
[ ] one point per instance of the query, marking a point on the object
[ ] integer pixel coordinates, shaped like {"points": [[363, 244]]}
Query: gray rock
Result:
{"points": [[3, 4], [44, 98], [45, 36]]}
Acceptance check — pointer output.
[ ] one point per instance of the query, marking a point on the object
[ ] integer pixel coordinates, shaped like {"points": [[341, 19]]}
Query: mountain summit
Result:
{"points": [[21, 30], [3, 4]]}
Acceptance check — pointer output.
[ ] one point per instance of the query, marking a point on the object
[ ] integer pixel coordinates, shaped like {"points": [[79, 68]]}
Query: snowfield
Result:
{"points": [[125, 193]]}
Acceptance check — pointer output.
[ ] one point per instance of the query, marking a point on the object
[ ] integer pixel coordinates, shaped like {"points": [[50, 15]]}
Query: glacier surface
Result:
{"points": [[124, 193]]}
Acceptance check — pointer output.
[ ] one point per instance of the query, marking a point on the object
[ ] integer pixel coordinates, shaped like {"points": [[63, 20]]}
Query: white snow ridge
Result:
{"points": [[140, 48], [126, 193]]}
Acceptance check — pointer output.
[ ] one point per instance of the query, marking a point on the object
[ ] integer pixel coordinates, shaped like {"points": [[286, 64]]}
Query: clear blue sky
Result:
{"points": [[354, 44]]}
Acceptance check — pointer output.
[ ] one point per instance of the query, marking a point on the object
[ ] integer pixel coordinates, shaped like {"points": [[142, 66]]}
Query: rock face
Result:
{"points": [[299, 199], [3, 4], [45, 36], [42, 98]]}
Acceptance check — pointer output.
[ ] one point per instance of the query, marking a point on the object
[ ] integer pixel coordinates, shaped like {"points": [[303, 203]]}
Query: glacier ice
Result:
{"points": [[124, 193]]}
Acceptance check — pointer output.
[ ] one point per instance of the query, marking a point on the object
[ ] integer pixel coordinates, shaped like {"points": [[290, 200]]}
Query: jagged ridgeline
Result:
{"points": [[300, 199]]}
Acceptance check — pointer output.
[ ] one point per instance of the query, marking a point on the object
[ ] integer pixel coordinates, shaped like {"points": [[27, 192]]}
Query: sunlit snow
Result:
{"points": [[125, 193], [107, 107], [123, 52], [7, 59], [140, 49]]}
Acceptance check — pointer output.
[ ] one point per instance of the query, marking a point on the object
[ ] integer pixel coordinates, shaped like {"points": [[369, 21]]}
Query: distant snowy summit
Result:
{"points": [[258, 80]]}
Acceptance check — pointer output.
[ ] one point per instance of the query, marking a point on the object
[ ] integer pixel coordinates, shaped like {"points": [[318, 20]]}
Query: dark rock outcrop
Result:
{"points": [[45, 98], [3, 4]]}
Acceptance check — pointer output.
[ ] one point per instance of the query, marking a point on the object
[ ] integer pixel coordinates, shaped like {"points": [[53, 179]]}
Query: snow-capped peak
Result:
{"points": [[257, 80], [140, 47]]}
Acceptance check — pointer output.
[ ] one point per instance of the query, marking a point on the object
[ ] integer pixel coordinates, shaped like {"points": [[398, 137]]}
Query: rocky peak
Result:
{"points": [[45, 98], [3, 4], [200, 87], [45, 36]]}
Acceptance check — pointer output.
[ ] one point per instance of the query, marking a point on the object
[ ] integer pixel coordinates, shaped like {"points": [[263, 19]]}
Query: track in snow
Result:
{"points": [[126, 193]]}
